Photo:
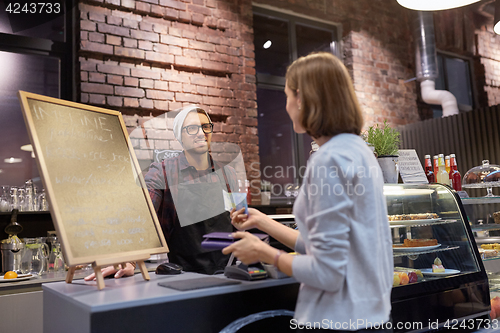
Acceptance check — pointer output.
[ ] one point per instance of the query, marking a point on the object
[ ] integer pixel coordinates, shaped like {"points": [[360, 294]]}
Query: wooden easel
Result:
{"points": [[98, 264]]}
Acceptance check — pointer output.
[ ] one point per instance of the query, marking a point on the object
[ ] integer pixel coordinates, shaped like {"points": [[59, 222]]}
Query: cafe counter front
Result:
{"points": [[133, 305]]}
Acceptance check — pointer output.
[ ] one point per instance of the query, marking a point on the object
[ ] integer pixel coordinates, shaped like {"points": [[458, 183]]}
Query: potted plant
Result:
{"points": [[385, 143]]}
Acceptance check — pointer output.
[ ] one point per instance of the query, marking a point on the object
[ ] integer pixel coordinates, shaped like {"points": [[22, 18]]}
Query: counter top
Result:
{"points": [[140, 292], [35, 283]]}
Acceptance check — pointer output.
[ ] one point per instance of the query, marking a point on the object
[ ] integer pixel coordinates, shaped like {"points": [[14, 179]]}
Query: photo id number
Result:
{"points": [[33, 8]]}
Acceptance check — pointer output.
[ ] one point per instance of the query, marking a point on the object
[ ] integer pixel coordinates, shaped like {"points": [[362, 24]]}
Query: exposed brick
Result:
{"points": [[96, 47], [173, 4], [146, 74], [201, 46], [84, 76], [114, 79], [97, 17], [131, 81], [130, 4], [161, 105], [84, 98], [113, 40], [190, 98], [169, 40], [129, 92], [97, 99], [151, 36], [97, 77], [159, 94], [113, 69], [130, 102], [187, 62], [128, 42], [146, 103], [171, 14], [145, 45], [146, 83], [132, 24], [113, 30], [113, 20], [197, 19], [142, 7], [128, 52], [114, 101], [184, 17], [97, 88], [96, 37]]}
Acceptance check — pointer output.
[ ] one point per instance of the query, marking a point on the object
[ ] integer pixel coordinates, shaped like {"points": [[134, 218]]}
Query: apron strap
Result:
{"points": [[225, 180]]}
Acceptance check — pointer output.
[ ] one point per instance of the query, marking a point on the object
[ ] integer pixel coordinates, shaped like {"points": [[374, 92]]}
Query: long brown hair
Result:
{"points": [[329, 105]]}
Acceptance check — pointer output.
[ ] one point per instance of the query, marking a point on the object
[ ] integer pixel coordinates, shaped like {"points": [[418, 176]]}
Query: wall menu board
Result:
{"points": [[98, 199]]}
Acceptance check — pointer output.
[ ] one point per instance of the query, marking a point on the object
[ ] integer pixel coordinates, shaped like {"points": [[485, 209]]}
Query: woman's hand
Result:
{"points": [[249, 249], [127, 271], [242, 221]]}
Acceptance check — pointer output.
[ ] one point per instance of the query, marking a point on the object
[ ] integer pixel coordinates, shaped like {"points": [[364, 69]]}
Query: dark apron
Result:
{"points": [[192, 203]]}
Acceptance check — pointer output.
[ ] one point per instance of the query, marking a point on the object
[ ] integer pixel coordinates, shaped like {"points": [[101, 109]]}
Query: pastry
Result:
{"points": [[420, 242], [496, 217], [409, 217], [438, 267], [418, 272]]}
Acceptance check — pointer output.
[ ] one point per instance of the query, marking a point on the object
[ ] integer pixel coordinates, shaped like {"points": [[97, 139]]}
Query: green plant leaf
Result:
{"points": [[384, 139]]}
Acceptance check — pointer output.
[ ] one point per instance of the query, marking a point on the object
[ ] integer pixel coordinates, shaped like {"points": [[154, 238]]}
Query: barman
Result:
{"points": [[189, 194]]}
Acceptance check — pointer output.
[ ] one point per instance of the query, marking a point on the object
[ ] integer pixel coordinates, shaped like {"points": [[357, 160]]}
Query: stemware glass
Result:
{"points": [[5, 201]]}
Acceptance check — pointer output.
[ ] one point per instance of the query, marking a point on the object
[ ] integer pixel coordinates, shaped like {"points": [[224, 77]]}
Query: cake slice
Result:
{"points": [[437, 267]]}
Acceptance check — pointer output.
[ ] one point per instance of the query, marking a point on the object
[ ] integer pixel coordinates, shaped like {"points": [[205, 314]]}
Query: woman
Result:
{"points": [[346, 266]]}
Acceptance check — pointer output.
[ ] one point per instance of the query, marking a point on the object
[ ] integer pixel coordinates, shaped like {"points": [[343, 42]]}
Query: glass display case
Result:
{"points": [[428, 221]]}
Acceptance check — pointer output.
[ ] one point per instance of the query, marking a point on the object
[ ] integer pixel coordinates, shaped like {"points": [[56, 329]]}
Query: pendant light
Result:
{"points": [[429, 5], [496, 27]]}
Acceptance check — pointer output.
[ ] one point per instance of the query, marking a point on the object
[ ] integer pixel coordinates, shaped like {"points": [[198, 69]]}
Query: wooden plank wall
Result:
{"points": [[472, 136]]}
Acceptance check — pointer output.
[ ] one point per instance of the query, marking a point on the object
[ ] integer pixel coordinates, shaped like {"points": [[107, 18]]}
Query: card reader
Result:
{"points": [[244, 272]]}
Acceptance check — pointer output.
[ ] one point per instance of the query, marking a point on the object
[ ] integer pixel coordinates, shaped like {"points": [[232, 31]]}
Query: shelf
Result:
{"points": [[416, 254], [481, 200], [485, 227], [418, 224], [26, 213]]}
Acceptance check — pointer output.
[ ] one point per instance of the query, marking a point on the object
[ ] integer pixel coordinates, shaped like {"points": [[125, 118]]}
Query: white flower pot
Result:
{"points": [[390, 169]]}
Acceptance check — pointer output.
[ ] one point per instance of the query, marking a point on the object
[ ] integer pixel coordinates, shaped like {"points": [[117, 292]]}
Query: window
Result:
{"points": [[454, 76], [36, 56], [279, 39]]}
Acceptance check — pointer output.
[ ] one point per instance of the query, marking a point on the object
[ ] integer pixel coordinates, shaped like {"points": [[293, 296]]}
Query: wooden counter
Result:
{"points": [[133, 304]]}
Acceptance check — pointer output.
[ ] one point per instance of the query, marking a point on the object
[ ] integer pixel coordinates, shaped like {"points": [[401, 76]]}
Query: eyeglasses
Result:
{"points": [[194, 129]]}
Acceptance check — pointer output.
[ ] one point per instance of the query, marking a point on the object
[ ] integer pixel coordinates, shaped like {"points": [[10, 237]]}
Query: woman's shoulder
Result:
{"points": [[342, 147]]}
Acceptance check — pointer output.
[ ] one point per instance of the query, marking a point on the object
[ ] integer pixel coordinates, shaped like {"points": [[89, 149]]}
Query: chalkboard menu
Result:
{"points": [[98, 200]]}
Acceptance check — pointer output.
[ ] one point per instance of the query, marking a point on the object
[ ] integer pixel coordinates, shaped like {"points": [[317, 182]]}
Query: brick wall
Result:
{"points": [[145, 58], [488, 65]]}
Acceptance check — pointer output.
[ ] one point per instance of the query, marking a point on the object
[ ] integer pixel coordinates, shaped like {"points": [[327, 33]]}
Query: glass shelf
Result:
{"points": [[411, 254], [419, 224], [481, 200], [485, 227]]}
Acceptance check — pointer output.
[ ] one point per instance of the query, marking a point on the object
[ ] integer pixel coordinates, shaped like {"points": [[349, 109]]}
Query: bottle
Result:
{"points": [[454, 176], [447, 163], [442, 176], [435, 165], [428, 169]]}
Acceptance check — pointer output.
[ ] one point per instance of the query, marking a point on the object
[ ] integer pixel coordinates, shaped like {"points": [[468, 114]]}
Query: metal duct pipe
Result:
{"points": [[426, 65]]}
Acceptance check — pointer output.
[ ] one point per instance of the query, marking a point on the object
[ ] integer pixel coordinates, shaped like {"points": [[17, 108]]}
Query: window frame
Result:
{"points": [[64, 51], [473, 87], [266, 81]]}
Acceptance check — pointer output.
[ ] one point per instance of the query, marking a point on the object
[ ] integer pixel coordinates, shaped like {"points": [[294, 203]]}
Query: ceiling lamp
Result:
{"points": [[496, 27], [434, 4]]}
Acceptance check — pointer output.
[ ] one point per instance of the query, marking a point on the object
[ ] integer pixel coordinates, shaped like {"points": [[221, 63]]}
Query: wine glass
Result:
{"points": [[5, 204], [288, 193]]}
